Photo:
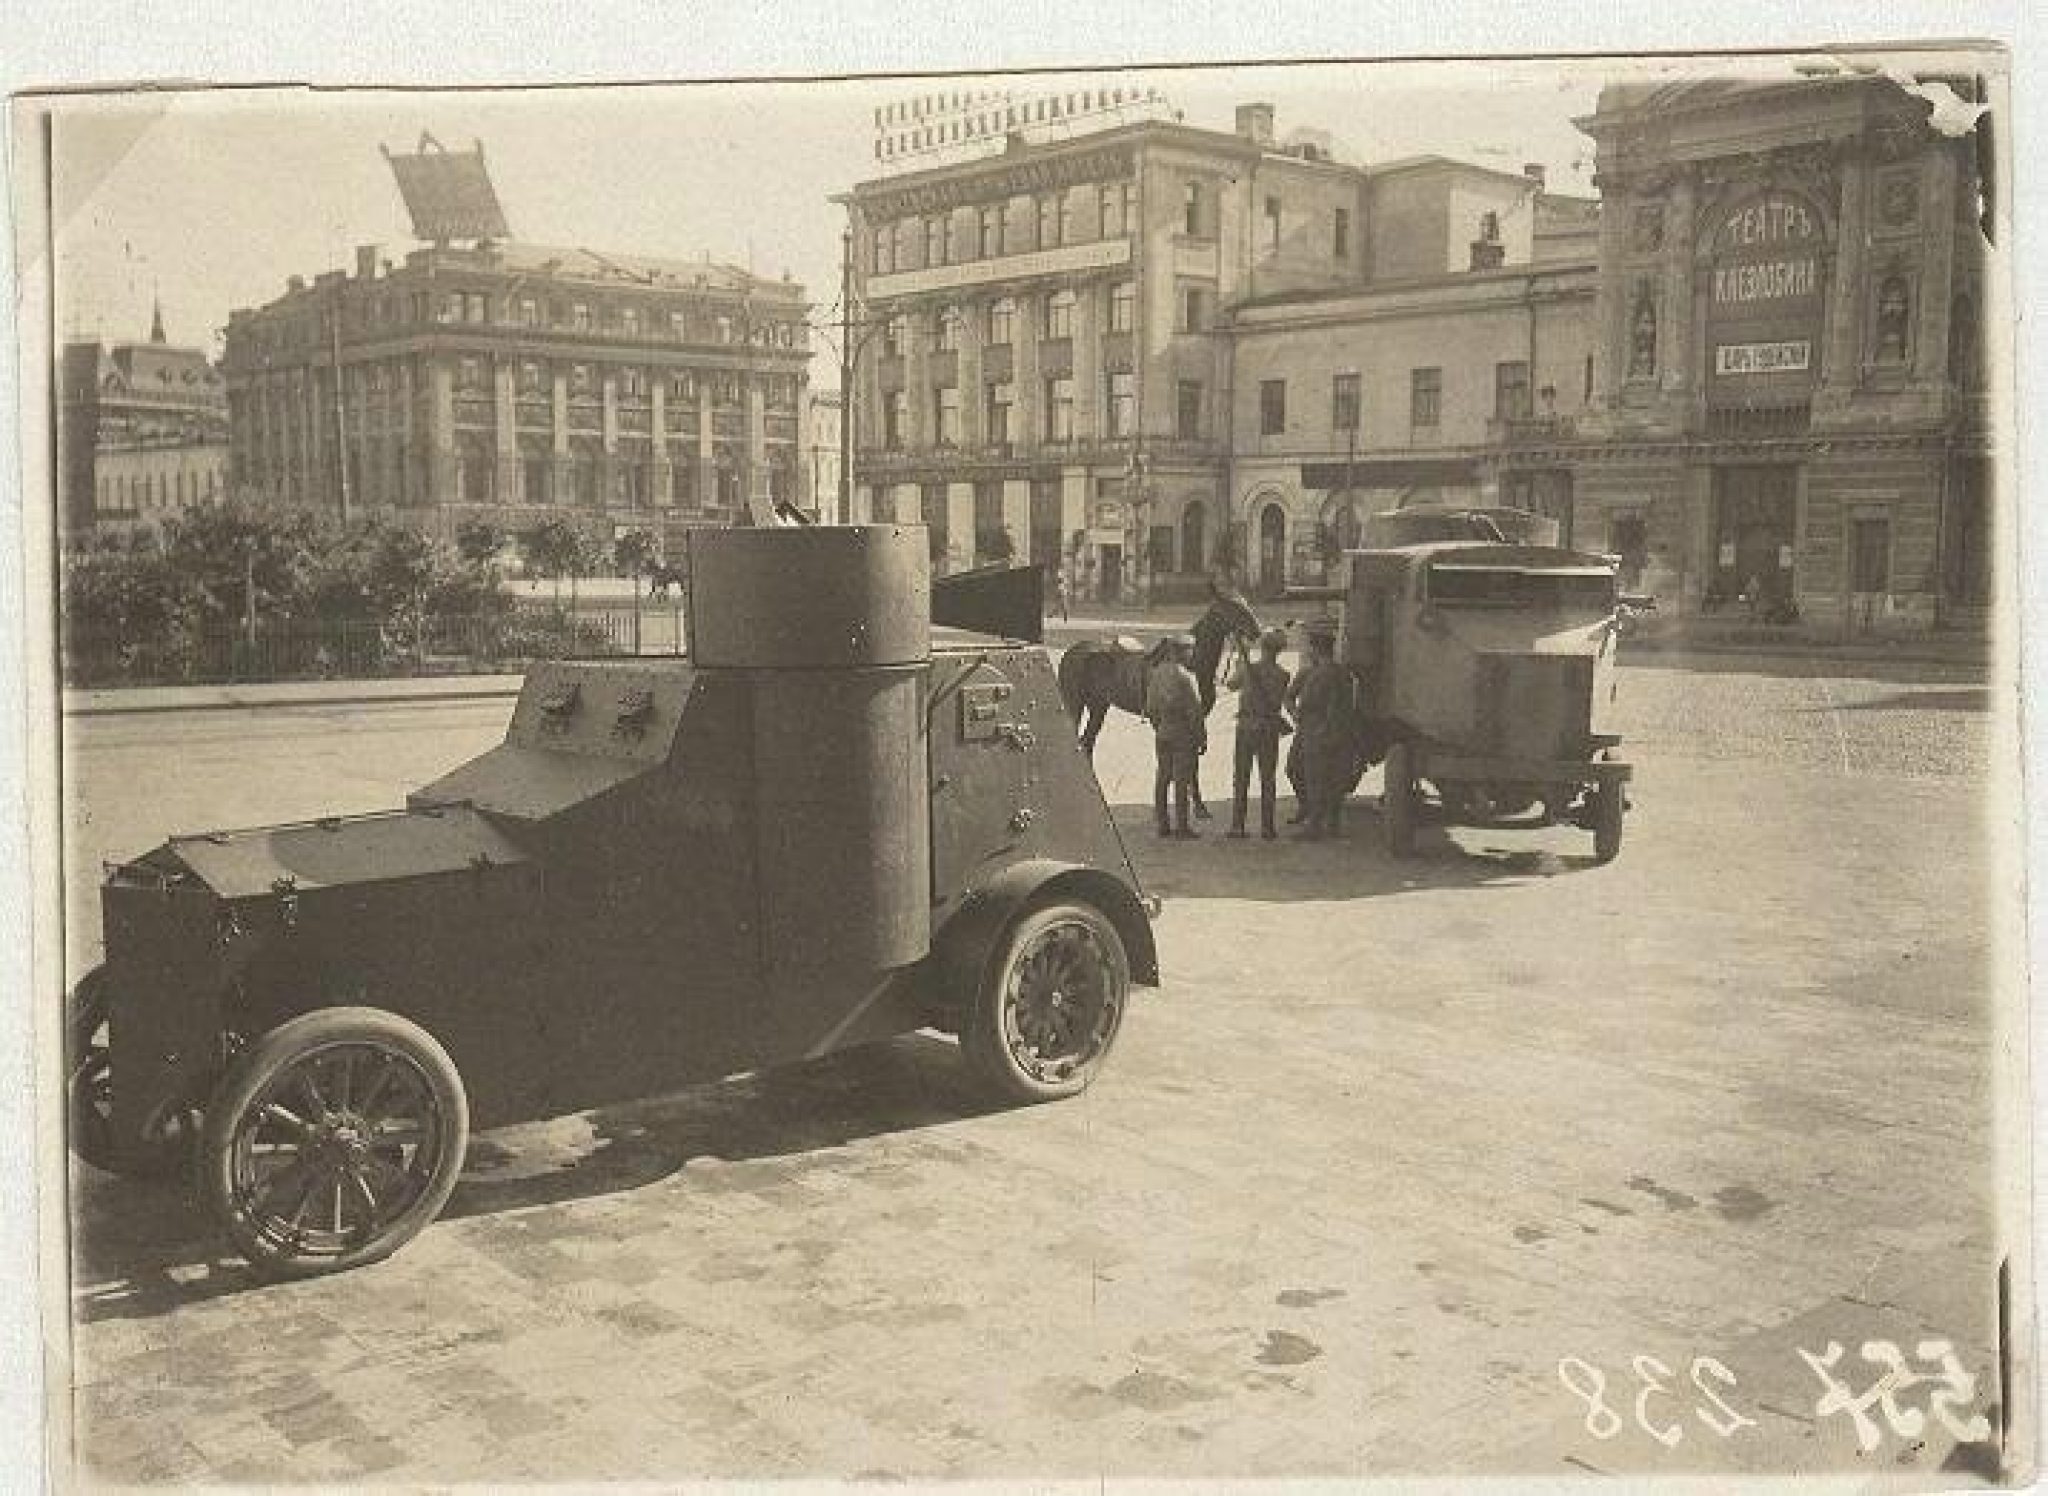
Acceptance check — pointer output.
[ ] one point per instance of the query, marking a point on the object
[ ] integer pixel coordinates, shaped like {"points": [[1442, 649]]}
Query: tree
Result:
{"points": [[555, 549], [635, 552], [479, 542]]}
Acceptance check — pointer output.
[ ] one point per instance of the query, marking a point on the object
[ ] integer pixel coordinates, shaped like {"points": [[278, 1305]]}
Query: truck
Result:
{"points": [[833, 822]]}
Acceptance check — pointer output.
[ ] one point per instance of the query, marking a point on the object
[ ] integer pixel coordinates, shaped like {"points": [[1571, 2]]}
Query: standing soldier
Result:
{"points": [[1261, 723], [1325, 709], [1173, 705]]}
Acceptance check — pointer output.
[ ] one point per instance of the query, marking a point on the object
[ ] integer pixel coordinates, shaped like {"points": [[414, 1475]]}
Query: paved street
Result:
{"points": [[1407, 1168]]}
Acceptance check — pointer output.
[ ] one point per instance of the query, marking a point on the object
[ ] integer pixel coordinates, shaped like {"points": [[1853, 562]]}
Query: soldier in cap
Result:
{"points": [[1173, 705], [1324, 708], [1261, 723]]}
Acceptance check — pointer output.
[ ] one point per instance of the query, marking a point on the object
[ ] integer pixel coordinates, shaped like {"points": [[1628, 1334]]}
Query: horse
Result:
{"points": [[1097, 674]]}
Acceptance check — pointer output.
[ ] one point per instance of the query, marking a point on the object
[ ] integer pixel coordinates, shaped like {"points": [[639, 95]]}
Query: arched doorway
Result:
{"points": [[1341, 523], [1193, 542], [1273, 550]]}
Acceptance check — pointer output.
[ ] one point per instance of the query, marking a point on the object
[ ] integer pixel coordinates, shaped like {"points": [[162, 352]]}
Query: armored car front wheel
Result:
{"points": [[333, 1140], [1051, 1005]]}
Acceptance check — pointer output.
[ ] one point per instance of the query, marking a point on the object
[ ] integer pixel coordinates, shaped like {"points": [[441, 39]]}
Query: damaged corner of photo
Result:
{"points": [[1279, 772]]}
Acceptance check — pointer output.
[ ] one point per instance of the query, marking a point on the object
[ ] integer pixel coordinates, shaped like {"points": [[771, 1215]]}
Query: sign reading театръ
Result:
{"points": [[1765, 295]]}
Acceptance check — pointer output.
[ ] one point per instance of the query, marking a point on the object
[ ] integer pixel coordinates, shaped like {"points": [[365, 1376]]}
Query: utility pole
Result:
{"points": [[846, 367]]}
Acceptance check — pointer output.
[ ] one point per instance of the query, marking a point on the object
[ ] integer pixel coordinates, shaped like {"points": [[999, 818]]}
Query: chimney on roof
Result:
{"points": [[1534, 171], [1255, 123], [366, 261], [156, 321]]}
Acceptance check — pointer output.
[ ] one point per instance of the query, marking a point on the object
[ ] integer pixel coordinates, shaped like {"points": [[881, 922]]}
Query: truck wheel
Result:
{"points": [[1610, 803], [333, 1140], [89, 1090], [1397, 800], [1051, 1005]]}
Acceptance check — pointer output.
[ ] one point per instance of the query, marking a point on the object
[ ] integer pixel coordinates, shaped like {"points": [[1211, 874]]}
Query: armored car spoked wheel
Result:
{"points": [[1052, 1004], [334, 1139]]}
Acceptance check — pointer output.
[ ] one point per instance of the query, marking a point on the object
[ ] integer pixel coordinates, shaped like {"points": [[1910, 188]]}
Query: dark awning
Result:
{"points": [[1391, 472]]}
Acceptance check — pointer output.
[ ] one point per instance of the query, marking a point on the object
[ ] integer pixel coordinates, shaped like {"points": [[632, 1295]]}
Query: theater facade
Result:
{"points": [[1789, 416]]}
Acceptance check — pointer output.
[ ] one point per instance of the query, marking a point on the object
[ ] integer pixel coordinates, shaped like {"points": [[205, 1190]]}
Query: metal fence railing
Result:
{"points": [[312, 649]]}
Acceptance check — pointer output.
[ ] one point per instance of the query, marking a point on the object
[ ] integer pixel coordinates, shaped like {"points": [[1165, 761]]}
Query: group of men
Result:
{"points": [[1316, 705]]}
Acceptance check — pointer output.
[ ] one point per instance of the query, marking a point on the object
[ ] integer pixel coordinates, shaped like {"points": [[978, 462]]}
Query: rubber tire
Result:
{"points": [[282, 1046], [1397, 800], [1610, 803], [981, 1028], [90, 1136]]}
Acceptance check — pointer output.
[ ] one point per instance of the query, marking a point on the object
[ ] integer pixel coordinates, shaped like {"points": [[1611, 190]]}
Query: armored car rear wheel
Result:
{"points": [[1051, 1005], [1610, 805], [333, 1140], [89, 1090]]}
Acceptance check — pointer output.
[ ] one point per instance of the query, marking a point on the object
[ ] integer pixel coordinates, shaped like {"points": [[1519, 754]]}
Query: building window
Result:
{"points": [[1115, 204], [469, 375], [1048, 222], [1066, 216], [1425, 396], [1059, 410], [1002, 322], [884, 260], [1194, 210], [678, 326], [996, 405], [902, 236], [895, 408], [1058, 315], [1194, 308], [632, 384], [579, 379], [629, 321], [1187, 410], [990, 220], [533, 377], [1272, 407], [1344, 402], [935, 237], [476, 307], [1511, 391], [949, 329], [1340, 234], [1123, 306], [529, 312], [946, 415], [1123, 404], [1272, 225], [893, 338], [682, 388], [723, 327], [579, 316]]}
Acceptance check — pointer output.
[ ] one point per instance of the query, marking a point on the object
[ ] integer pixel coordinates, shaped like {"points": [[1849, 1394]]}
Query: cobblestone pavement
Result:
{"points": [[1393, 1142]]}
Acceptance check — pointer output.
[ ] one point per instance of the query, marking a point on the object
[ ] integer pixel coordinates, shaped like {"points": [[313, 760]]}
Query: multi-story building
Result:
{"points": [[823, 422], [1789, 409], [145, 431], [1040, 356], [513, 383], [1440, 377]]}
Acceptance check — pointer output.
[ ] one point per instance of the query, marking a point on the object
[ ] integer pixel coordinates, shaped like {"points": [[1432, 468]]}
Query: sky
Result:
{"points": [[210, 199]]}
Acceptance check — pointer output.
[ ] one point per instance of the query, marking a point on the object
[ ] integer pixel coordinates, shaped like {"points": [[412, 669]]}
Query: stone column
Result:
{"points": [[441, 433], [960, 550], [1017, 515], [1027, 412], [657, 444], [754, 400], [707, 457], [1843, 370], [973, 428], [1675, 356], [1610, 308], [1937, 260], [564, 467], [506, 433]]}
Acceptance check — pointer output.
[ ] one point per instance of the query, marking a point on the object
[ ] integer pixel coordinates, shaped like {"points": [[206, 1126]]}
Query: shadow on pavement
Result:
{"points": [[142, 1249], [1962, 699], [1919, 670], [1355, 865]]}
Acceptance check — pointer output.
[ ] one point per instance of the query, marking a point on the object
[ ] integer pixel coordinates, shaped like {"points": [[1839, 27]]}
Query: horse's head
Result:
{"points": [[1230, 611]]}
